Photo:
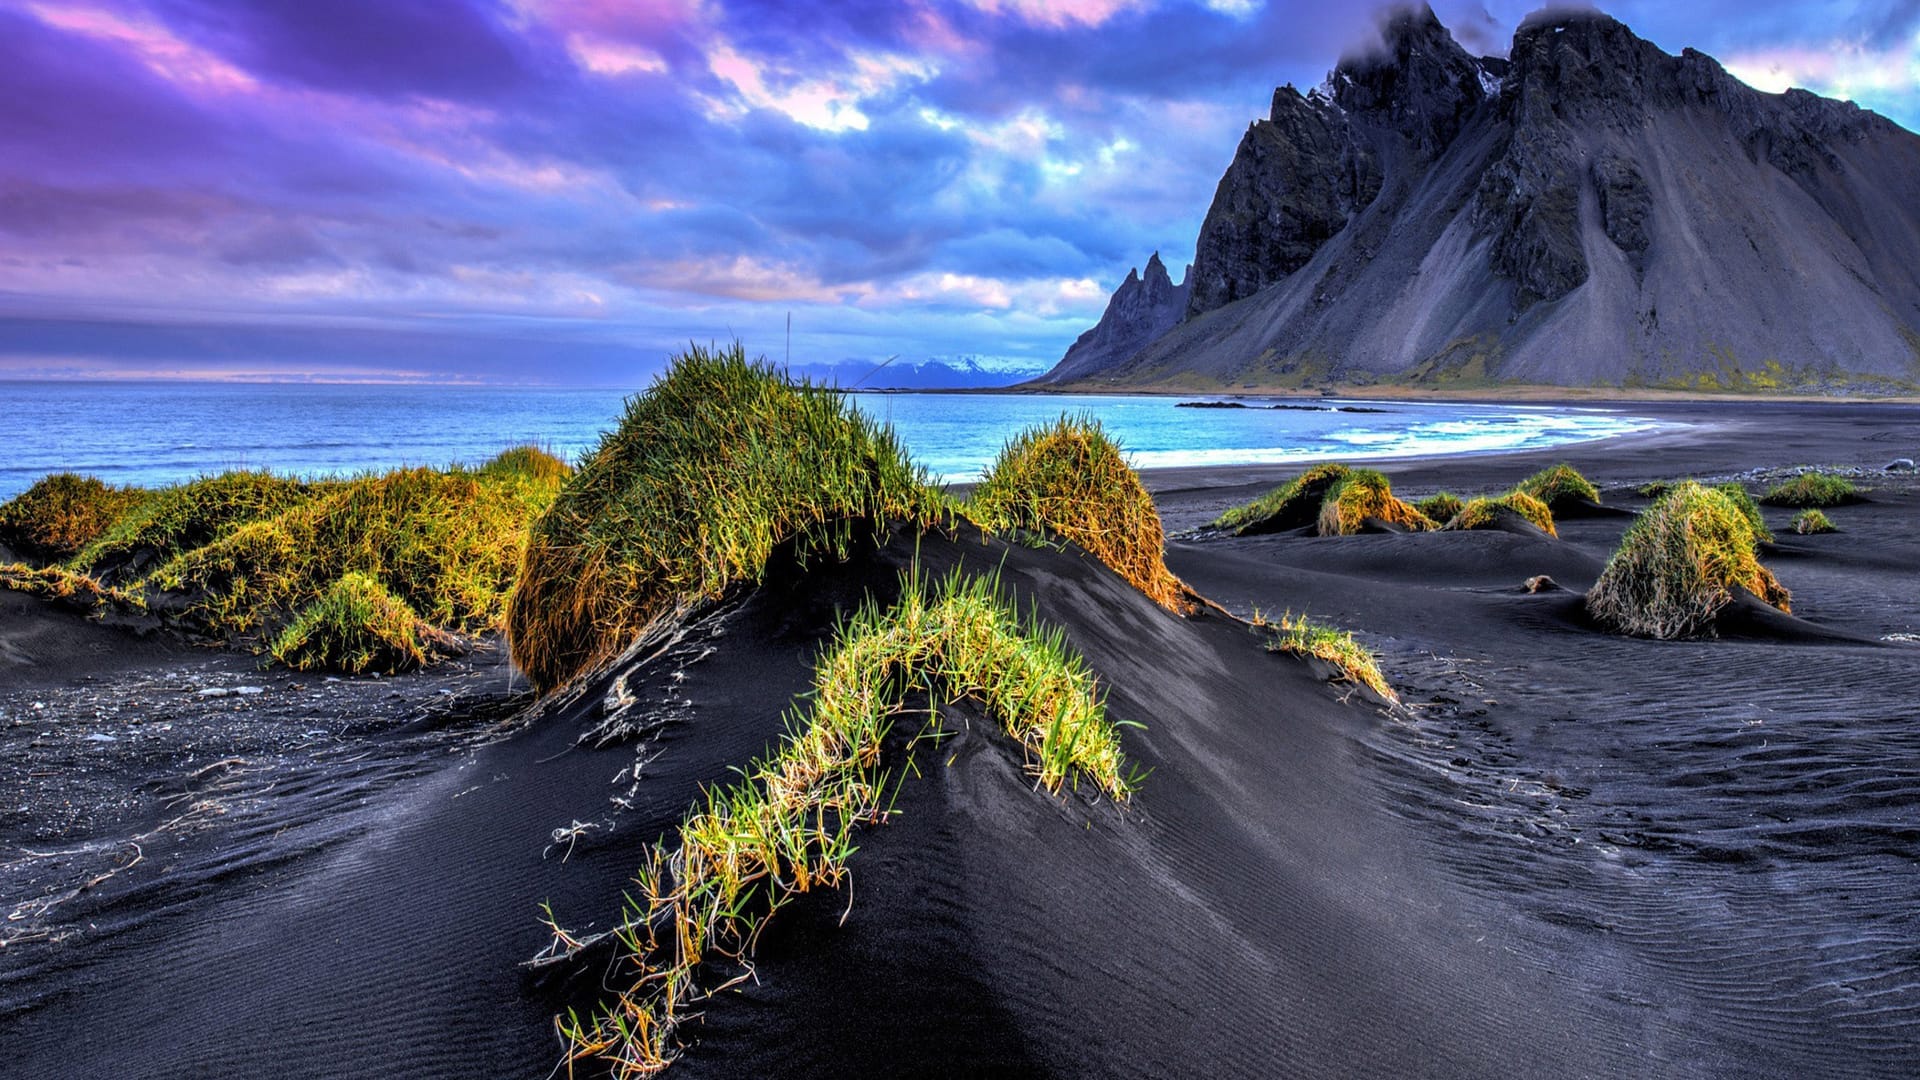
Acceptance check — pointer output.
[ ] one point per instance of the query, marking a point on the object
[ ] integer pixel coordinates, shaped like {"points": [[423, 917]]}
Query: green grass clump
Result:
{"points": [[534, 463], [787, 828], [1069, 477], [179, 518], [1749, 509], [355, 626], [1808, 522], [1363, 494], [1440, 507], [1338, 648], [1812, 490], [444, 541], [1678, 565], [1485, 513], [1653, 489], [717, 464], [1289, 506], [1560, 487], [62, 513]]}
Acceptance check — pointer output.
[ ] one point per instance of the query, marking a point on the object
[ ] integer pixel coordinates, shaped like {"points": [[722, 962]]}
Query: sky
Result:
{"points": [[567, 191]]}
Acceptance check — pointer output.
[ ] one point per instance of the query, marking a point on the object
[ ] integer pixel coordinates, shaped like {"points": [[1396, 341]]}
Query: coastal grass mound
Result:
{"points": [[1070, 478], [379, 571], [1289, 506], [1364, 495], [1339, 649], [62, 513], [447, 542], [1441, 506], [788, 827], [1486, 513], [1815, 490], [173, 520], [1561, 487], [1810, 522], [718, 463], [356, 626], [1678, 566]]}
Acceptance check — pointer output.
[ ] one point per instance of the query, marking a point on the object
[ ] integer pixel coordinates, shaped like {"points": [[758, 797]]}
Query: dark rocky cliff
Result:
{"points": [[1142, 310], [1588, 210]]}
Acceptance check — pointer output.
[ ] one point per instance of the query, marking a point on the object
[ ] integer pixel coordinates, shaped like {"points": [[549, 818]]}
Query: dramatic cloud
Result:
{"points": [[568, 190]]}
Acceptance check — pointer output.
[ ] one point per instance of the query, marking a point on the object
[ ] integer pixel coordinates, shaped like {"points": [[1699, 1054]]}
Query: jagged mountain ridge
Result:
{"points": [[1141, 311], [1588, 211]]}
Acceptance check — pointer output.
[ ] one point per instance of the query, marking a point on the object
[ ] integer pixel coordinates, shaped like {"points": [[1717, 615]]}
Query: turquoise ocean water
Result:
{"points": [[157, 433]]}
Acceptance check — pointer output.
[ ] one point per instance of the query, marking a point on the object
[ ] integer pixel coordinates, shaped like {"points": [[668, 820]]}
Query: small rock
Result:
{"points": [[1904, 464], [249, 691], [100, 737], [214, 691]]}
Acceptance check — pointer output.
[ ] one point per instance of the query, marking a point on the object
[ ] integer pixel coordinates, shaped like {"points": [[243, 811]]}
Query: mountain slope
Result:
{"points": [[1590, 210]]}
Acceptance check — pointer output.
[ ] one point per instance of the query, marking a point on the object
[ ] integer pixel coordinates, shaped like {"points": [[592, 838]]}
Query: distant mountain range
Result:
{"points": [[958, 373], [1588, 210]]}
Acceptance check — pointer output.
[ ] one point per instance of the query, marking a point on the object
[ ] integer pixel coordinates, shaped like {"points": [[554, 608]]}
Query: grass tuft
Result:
{"points": [[1440, 507], [62, 513], [1485, 513], [1807, 522], [1653, 489], [1303, 637], [719, 462], [1677, 566], [1289, 506], [59, 583], [534, 463], [787, 828], [1560, 487], [1070, 477], [1363, 494], [355, 626], [1812, 490]]}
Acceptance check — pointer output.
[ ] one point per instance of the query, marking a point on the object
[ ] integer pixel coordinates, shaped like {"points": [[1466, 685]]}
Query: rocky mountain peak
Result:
{"points": [[1417, 79], [1589, 209]]}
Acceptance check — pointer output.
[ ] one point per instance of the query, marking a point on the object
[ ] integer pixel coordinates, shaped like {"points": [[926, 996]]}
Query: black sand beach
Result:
{"points": [[1568, 854]]}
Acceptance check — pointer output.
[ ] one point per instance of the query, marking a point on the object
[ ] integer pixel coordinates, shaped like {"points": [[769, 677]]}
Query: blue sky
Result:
{"points": [[564, 191]]}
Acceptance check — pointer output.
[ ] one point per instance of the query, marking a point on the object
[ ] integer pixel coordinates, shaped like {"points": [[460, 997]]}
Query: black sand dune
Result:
{"points": [[1572, 854]]}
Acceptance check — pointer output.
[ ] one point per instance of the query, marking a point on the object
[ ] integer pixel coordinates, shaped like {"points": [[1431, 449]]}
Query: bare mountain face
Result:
{"points": [[1588, 211]]}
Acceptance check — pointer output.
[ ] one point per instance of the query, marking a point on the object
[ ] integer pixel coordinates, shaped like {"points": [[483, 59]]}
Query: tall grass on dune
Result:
{"points": [[717, 464], [1441, 506], [787, 828], [1742, 500], [1485, 513], [62, 513], [1070, 477], [1289, 506], [278, 563], [1812, 489], [1679, 564], [173, 520], [1361, 495], [1337, 648], [1559, 487], [445, 541]]}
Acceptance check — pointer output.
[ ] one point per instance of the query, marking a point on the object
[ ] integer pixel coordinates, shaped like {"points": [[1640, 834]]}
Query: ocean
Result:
{"points": [[160, 433]]}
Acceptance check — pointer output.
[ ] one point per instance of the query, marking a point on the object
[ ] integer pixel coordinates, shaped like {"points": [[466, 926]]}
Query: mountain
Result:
{"points": [[1589, 210], [1142, 309]]}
